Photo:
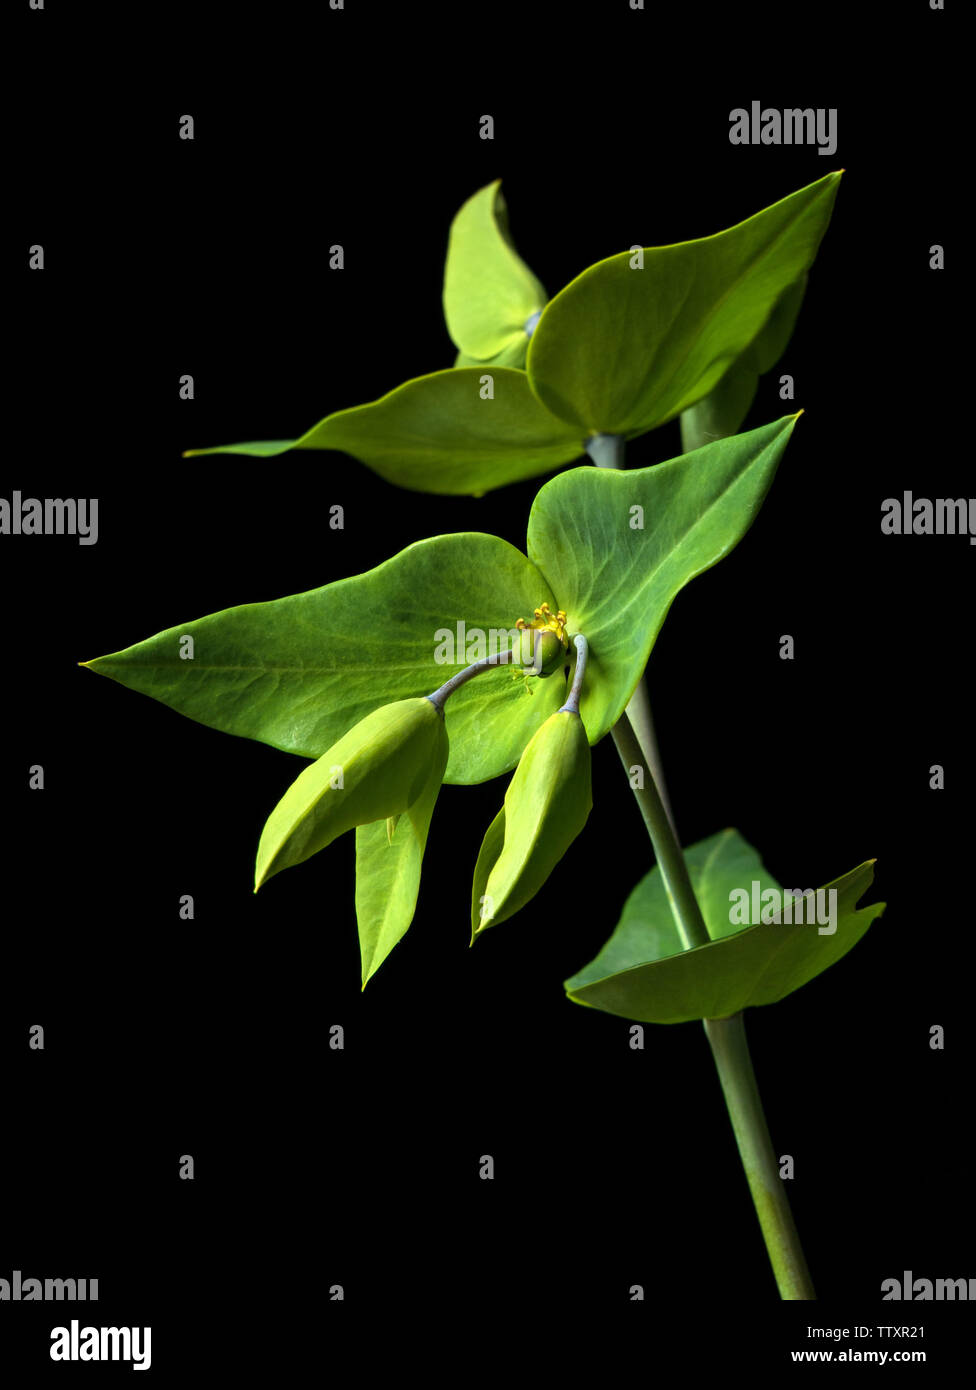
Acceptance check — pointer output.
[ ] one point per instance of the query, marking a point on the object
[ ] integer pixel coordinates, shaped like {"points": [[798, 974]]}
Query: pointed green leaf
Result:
{"points": [[723, 410], [299, 672], [376, 770], [621, 350], [489, 291], [616, 570], [388, 873], [491, 848], [647, 931], [437, 433], [643, 973], [546, 806]]}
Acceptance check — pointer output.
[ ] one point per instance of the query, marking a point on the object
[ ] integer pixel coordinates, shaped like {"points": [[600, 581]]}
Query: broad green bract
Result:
{"points": [[623, 348], [298, 672]]}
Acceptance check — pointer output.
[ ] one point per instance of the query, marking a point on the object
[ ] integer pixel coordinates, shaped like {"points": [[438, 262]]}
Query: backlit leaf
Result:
{"points": [[723, 410], [440, 433], [489, 291], [298, 672], [388, 874], [616, 570], [621, 349], [643, 973]]}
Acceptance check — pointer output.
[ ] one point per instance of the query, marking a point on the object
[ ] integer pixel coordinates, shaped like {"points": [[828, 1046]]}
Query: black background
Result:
{"points": [[360, 1167]]}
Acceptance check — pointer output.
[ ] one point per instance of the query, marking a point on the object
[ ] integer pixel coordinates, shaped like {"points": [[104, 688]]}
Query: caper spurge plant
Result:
{"points": [[390, 708]]}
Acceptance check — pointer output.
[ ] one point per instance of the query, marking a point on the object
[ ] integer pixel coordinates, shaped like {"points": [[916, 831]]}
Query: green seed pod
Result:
{"points": [[375, 772], [546, 806], [541, 652]]}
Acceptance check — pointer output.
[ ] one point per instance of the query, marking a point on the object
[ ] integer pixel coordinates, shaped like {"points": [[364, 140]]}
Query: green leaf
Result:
{"points": [[375, 771], [491, 848], [647, 931], [622, 350], [298, 672], [546, 806], [771, 341], [388, 874], [723, 410], [643, 973], [511, 356], [617, 581], [489, 291], [437, 434]]}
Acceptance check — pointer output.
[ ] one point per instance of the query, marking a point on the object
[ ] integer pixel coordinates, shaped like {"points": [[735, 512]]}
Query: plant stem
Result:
{"points": [[667, 851], [727, 1038], [572, 700], [637, 745], [730, 1049], [606, 450], [475, 669], [642, 722]]}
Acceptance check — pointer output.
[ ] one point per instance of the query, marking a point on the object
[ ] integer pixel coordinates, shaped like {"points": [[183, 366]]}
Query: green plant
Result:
{"points": [[370, 678]]}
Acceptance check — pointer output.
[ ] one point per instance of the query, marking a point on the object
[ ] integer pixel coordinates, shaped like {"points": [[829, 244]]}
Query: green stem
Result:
{"points": [[637, 745], [727, 1038], [606, 450], [573, 699], [730, 1049], [476, 668], [667, 851], [642, 722]]}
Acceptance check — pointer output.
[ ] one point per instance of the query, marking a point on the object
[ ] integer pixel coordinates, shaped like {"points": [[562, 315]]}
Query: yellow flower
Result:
{"points": [[544, 643], [546, 620]]}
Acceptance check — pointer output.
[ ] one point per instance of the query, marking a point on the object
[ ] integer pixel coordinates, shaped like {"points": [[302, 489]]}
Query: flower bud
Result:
{"points": [[541, 651], [546, 806], [375, 771], [543, 644]]}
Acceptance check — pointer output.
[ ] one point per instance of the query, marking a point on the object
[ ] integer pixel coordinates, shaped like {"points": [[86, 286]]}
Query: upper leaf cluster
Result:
{"points": [[632, 342]]}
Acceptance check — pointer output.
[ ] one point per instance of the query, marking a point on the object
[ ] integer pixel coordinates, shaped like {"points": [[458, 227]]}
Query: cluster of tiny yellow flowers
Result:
{"points": [[545, 619]]}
